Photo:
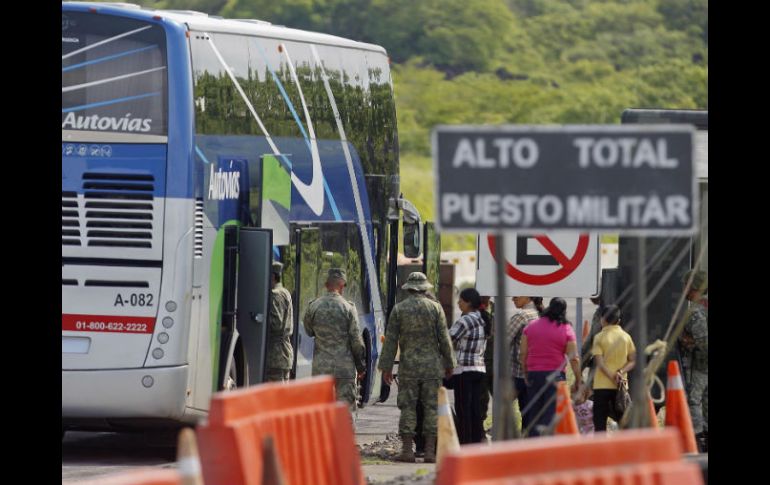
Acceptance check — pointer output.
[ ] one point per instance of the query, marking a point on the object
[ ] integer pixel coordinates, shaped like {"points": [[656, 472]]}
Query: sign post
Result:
{"points": [[543, 180], [503, 427], [639, 415]]}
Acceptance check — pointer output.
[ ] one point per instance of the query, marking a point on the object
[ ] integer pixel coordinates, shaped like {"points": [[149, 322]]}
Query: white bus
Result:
{"points": [[195, 150]]}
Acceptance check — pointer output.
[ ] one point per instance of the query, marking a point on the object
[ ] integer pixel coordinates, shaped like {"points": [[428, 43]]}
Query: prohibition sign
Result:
{"points": [[568, 265]]}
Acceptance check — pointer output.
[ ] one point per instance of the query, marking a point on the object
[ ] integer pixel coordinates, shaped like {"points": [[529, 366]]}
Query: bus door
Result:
{"points": [[302, 272], [431, 258], [244, 346]]}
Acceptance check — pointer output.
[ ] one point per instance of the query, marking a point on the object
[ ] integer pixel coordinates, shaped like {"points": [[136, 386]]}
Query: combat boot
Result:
{"points": [[407, 454], [430, 449]]}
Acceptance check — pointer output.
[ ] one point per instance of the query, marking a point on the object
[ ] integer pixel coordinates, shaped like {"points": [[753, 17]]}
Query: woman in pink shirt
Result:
{"points": [[544, 344]]}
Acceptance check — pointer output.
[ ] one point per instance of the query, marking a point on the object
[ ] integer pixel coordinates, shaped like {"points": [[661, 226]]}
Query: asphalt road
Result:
{"points": [[88, 455]]}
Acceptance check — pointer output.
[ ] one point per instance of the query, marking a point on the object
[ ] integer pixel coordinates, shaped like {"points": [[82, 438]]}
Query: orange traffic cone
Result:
{"points": [[677, 410], [567, 423], [653, 415], [188, 459], [272, 474], [447, 434]]}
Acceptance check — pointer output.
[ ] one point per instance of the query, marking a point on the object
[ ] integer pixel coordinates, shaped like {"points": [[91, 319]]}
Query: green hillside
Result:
{"points": [[508, 61]]}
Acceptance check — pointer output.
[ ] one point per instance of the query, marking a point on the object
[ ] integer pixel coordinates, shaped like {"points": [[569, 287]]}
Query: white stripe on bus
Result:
{"points": [[359, 208], [105, 41], [109, 80], [312, 193]]}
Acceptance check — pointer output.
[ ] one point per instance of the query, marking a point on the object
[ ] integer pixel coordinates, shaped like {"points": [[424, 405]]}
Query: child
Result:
{"points": [[584, 413], [584, 408]]}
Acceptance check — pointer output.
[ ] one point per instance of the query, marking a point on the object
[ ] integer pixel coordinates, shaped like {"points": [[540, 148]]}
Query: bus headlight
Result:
{"points": [[157, 353], [170, 306], [168, 322], [148, 381], [163, 337]]}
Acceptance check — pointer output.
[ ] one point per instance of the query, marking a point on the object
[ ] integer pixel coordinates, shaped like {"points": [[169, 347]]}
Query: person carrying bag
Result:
{"points": [[614, 355], [622, 401]]}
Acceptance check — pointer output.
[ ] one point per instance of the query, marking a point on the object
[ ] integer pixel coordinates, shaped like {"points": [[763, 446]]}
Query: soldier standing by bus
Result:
{"points": [[339, 347], [694, 342], [280, 354], [418, 326]]}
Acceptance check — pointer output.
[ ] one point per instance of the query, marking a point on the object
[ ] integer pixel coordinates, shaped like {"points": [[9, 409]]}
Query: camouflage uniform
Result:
{"points": [[417, 325], [280, 355], [695, 353], [339, 347], [696, 360]]}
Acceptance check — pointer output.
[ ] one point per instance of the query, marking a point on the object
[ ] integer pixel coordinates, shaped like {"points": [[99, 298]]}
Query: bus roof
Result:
{"points": [[199, 21]]}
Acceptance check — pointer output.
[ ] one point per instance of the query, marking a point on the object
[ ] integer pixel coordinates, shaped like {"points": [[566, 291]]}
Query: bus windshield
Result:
{"points": [[114, 75]]}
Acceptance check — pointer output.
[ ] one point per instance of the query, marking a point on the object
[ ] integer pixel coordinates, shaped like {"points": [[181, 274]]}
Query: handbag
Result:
{"points": [[622, 400]]}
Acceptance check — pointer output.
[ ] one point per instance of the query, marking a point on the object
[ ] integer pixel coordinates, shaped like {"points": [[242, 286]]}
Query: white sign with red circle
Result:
{"points": [[562, 264]]}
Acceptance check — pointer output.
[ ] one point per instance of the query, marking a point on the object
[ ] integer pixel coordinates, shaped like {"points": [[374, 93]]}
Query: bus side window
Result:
{"points": [[341, 248], [356, 269]]}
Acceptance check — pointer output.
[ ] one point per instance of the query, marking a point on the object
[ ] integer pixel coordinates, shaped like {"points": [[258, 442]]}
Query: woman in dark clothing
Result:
{"points": [[468, 336]]}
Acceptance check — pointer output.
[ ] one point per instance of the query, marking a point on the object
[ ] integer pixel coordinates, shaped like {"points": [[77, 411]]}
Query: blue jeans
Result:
{"points": [[541, 394]]}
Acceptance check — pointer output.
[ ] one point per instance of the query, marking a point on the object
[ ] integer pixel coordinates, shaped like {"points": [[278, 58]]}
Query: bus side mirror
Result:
{"points": [[412, 239]]}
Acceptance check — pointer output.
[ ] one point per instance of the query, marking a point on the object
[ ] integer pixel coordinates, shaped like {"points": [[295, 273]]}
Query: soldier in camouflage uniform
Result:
{"points": [[280, 355], [339, 347], [694, 342], [417, 325]]}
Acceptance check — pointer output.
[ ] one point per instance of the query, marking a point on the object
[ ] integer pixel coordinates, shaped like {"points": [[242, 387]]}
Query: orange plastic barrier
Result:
{"points": [[137, 477], [671, 473], [312, 433], [272, 471], [565, 414], [633, 456], [677, 409], [273, 396]]}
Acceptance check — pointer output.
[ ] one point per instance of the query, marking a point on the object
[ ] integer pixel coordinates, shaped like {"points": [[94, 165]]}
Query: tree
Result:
{"points": [[685, 15]]}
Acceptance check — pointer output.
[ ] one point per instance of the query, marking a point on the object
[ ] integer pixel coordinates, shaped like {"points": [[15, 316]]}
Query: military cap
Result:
{"points": [[417, 281], [699, 280], [337, 274], [277, 267]]}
